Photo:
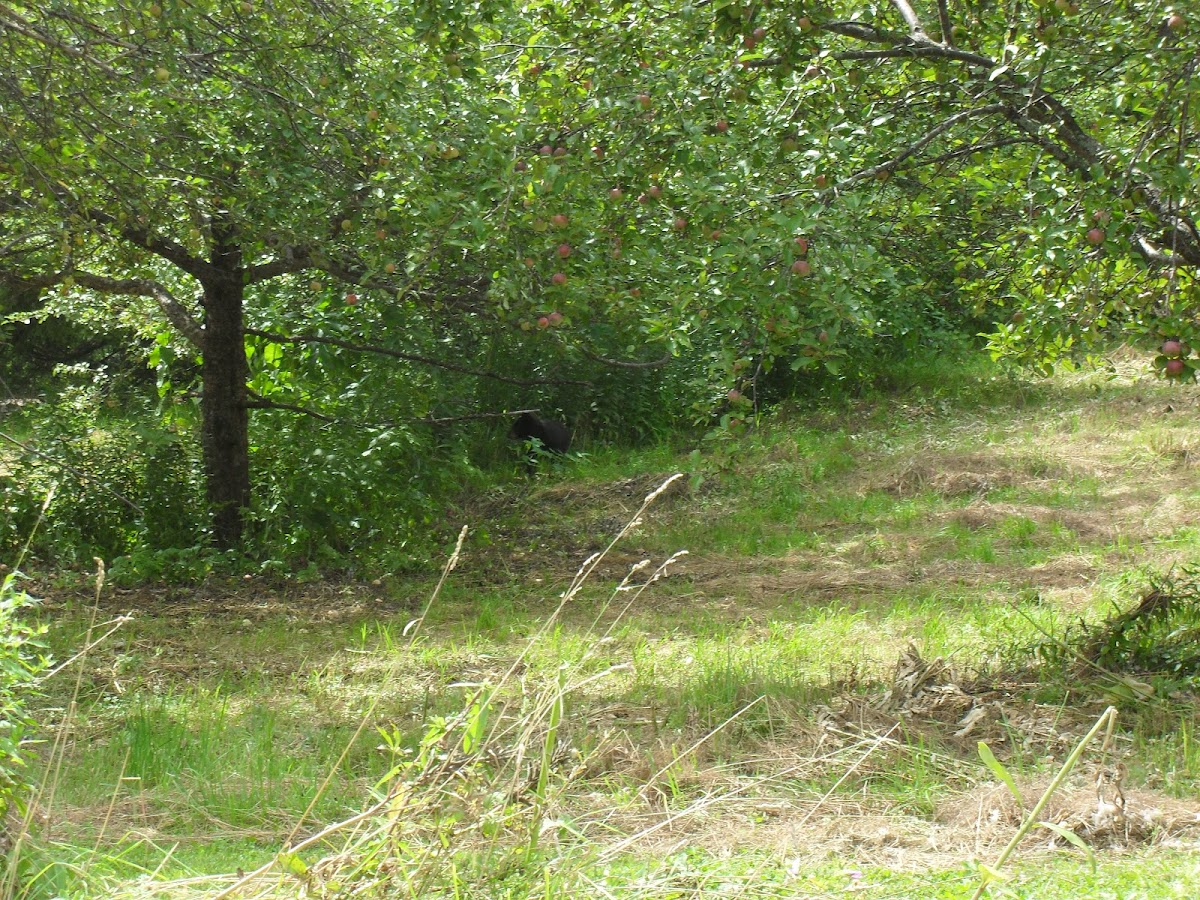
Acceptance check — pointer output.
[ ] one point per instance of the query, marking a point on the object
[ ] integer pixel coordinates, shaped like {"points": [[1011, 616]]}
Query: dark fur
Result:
{"points": [[552, 436]]}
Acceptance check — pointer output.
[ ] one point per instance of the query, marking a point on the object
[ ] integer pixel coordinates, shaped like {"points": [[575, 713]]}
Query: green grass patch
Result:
{"points": [[743, 692]]}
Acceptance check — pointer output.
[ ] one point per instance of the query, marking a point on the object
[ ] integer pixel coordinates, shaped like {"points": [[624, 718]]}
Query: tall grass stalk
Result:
{"points": [[15, 885], [458, 807], [1107, 722]]}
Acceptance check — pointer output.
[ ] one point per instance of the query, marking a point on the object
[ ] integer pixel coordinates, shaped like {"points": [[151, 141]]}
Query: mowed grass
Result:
{"points": [[739, 725]]}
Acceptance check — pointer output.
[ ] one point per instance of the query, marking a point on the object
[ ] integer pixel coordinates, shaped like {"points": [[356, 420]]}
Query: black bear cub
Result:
{"points": [[551, 436]]}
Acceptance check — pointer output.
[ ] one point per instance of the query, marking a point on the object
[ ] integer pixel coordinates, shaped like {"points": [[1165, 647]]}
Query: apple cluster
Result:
{"points": [[1174, 361], [546, 321], [801, 266]]}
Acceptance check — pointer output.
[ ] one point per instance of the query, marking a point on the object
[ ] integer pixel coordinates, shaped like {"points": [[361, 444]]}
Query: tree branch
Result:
{"points": [[924, 141], [261, 402], [475, 287], [944, 23], [290, 259], [82, 476], [628, 364], [175, 311], [906, 11], [408, 357], [172, 252], [18, 23]]}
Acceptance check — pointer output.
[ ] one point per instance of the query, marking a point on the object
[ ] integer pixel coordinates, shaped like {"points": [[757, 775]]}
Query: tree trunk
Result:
{"points": [[225, 436]]}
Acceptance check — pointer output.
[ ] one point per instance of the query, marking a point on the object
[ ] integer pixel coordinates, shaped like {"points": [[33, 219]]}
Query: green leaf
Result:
{"points": [[989, 759], [293, 864], [1071, 837]]}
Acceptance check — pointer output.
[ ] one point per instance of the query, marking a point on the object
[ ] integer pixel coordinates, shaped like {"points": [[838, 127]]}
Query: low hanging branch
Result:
{"points": [[628, 364], [175, 312], [258, 401], [408, 357], [924, 141], [82, 476]]}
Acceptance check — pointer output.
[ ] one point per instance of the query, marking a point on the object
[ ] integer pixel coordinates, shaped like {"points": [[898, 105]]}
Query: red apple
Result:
{"points": [[546, 150], [390, 268], [802, 268], [812, 71], [635, 292], [558, 278], [535, 70], [654, 191], [722, 125], [1172, 347], [555, 317], [520, 165], [1175, 21], [598, 152], [643, 198], [1095, 236], [560, 151], [805, 23], [749, 42], [1101, 216], [616, 194], [734, 395], [544, 322], [716, 234], [821, 182], [1174, 368], [759, 33], [351, 299], [558, 220], [564, 250], [802, 243], [644, 100], [528, 262], [680, 223]]}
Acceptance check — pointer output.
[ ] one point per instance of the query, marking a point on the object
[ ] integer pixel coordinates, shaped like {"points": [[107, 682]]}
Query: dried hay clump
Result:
{"points": [[966, 474], [1103, 813], [921, 693]]}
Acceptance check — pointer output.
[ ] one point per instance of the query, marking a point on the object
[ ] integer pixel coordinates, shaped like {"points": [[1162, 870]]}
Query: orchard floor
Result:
{"points": [[792, 708]]}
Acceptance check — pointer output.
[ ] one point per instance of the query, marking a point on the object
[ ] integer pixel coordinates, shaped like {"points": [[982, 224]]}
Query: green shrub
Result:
{"points": [[119, 481]]}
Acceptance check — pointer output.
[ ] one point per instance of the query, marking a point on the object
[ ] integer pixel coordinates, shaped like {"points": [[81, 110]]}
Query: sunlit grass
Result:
{"points": [[817, 555]]}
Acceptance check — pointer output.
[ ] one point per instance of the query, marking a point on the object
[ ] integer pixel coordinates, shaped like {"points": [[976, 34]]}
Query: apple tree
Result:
{"points": [[217, 166]]}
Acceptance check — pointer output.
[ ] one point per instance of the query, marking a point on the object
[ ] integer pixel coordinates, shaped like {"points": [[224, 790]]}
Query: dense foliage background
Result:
{"points": [[296, 262]]}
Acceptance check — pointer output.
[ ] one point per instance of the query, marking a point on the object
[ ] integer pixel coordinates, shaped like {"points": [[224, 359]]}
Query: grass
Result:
{"points": [[744, 728]]}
